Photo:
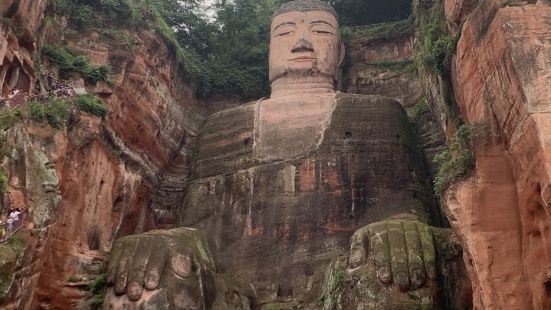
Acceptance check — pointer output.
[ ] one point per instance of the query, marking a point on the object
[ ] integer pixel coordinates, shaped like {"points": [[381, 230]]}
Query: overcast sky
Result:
{"points": [[206, 5]]}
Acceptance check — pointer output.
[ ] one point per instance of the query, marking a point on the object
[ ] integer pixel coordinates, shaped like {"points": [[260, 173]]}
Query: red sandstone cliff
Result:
{"points": [[501, 79], [95, 180]]}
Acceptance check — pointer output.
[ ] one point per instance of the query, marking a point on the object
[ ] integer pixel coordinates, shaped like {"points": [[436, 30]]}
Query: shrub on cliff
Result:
{"points": [[70, 62], [3, 182], [55, 112], [91, 104], [437, 44], [37, 111], [9, 117], [458, 159]]}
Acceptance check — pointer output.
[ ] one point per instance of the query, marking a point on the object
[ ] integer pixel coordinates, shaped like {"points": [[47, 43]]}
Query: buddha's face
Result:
{"points": [[305, 44]]}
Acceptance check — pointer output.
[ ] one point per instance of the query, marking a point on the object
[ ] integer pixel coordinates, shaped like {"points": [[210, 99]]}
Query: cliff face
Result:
{"points": [[380, 62], [500, 75], [96, 179]]}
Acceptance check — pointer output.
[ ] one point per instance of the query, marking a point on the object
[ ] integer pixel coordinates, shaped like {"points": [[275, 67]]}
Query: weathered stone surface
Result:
{"points": [[146, 256], [98, 179], [501, 77], [179, 265], [300, 212], [398, 81], [383, 47], [383, 65], [359, 280]]}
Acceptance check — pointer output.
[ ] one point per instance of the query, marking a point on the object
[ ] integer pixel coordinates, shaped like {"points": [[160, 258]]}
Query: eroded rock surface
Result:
{"points": [[382, 64], [97, 179], [501, 76], [300, 212]]}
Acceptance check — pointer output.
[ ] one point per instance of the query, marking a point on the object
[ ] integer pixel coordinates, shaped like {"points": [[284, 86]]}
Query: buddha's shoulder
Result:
{"points": [[242, 111], [225, 141]]}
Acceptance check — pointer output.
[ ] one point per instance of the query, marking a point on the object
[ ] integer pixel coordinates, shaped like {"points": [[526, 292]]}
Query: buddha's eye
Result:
{"points": [[283, 34], [322, 32]]}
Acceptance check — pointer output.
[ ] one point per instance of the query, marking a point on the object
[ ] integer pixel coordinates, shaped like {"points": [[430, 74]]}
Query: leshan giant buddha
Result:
{"points": [[281, 187]]}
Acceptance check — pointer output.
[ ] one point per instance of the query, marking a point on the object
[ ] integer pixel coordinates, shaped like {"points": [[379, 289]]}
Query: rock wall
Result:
{"points": [[500, 75], [97, 179], [18, 33], [382, 65]]}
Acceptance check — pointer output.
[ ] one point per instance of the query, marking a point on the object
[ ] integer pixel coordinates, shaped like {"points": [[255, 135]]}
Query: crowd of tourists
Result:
{"points": [[18, 97], [10, 220]]}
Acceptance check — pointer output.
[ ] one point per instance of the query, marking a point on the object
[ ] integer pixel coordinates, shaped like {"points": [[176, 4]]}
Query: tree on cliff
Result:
{"points": [[227, 52], [365, 12]]}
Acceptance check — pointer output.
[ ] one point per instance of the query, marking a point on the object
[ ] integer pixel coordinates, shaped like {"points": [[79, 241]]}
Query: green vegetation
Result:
{"points": [[418, 113], [361, 12], [37, 111], [83, 13], [438, 45], [336, 289], [458, 159], [3, 182], [55, 111], [188, 61], [91, 104], [70, 62], [384, 30], [73, 279], [402, 66], [9, 117], [220, 67], [97, 301], [98, 288], [18, 242]]}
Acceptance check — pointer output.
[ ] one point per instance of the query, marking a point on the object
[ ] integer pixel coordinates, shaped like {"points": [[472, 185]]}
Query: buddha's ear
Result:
{"points": [[342, 53]]}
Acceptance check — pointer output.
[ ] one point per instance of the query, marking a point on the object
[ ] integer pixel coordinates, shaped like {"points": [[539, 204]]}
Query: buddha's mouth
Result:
{"points": [[303, 59]]}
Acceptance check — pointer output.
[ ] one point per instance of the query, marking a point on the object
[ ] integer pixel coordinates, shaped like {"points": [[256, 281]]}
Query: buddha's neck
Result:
{"points": [[288, 86]]}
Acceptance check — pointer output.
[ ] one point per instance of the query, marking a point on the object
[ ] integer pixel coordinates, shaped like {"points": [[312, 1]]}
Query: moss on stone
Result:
{"points": [[9, 252]]}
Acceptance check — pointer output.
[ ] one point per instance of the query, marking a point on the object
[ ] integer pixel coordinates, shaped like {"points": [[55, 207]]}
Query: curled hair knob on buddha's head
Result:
{"points": [[305, 6]]}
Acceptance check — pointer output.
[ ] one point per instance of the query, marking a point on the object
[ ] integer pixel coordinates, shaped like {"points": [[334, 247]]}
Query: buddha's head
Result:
{"points": [[305, 45]]}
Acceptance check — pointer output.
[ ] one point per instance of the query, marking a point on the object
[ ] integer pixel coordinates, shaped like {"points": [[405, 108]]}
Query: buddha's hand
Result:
{"points": [[165, 266], [402, 250]]}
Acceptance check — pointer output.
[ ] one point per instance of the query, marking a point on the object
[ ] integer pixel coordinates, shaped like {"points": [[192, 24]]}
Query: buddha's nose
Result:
{"points": [[302, 45]]}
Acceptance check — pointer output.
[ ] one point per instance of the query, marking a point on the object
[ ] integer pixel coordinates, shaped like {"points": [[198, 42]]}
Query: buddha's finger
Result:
{"points": [[398, 254], [136, 277], [125, 263], [379, 247], [429, 253], [156, 263], [114, 260], [358, 248], [415, 255]]}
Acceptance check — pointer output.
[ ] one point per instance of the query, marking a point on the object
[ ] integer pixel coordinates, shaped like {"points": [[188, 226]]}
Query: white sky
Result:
{"points": [[206, 5]]}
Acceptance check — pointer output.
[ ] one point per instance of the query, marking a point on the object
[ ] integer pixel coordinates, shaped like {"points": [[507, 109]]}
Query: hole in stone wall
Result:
{"points": [[117, 204], [94, 238], [247, 141], [308, 271], [547, 285], [284, 291], [347, 135]]}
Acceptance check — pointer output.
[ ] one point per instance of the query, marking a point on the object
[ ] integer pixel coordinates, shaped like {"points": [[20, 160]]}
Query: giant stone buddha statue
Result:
{"points": [[291, 194]]}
